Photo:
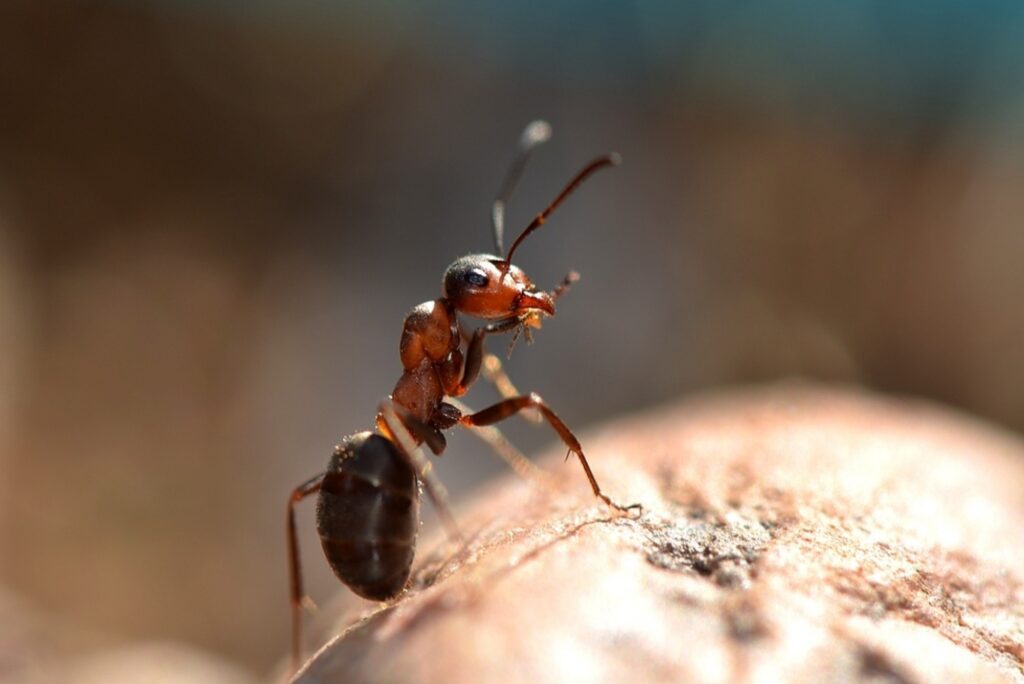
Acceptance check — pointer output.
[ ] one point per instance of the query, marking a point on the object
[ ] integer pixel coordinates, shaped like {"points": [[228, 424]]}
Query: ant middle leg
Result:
{"points": [[509, 407], [506, 451]]}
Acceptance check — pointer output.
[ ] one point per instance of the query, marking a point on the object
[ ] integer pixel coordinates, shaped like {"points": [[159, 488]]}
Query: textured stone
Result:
{"points": [[790, 533]]}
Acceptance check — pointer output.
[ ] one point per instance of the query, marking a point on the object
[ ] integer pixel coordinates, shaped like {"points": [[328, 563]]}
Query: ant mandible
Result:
{"points": [[368, 510]]}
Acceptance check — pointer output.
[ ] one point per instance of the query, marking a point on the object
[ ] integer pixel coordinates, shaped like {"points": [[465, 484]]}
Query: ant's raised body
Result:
{"points": [[368, 508]]}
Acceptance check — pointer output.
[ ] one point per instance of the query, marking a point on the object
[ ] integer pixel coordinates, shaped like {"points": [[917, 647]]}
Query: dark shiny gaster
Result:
{"points": [[367, 515]]}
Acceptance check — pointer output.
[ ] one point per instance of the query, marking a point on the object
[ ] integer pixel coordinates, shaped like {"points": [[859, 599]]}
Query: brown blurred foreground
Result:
{"points": [[790, 534]]}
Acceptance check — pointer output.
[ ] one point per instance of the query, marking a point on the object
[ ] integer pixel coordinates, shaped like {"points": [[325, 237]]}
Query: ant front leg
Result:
{"points": [[475, 351], [307, 488], [509, 407]]}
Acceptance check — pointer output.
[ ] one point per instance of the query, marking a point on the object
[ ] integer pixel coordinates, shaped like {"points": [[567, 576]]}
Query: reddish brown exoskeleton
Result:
{"points": [[368, 507]]}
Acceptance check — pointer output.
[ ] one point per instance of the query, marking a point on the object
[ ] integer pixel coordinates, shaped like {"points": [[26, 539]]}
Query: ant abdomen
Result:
{"points": [[367, 515]]}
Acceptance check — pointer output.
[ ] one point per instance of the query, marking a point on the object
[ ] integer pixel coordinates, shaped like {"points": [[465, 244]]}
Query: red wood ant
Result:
{"points": [[368, 507]]}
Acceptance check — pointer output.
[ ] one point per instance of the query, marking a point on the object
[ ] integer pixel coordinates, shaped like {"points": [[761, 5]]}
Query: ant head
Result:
{"points": [[488, 287], [491, 287]]}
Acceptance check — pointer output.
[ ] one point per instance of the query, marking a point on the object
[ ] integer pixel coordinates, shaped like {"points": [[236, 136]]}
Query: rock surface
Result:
{"points": [[789, 533]]}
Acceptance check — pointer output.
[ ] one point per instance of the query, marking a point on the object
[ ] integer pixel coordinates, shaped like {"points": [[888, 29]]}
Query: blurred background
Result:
{"points": [[214, 216]]}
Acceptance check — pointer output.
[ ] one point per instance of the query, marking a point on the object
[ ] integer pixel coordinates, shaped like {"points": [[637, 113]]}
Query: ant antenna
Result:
{"points": [[536, 133], [612, 159]]}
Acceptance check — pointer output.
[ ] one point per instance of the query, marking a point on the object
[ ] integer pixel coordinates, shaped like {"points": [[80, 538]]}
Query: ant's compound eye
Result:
{"points": [[476, 277]]}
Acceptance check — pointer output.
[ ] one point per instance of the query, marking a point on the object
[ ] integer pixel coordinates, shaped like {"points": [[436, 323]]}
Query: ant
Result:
{"points": [[368, 507]]}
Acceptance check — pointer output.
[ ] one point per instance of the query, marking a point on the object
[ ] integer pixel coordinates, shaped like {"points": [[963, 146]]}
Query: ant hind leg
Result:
{"points": [[424, 470], [307, 488]]}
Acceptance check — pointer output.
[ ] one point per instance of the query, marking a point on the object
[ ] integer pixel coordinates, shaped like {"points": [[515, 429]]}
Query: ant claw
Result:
{"points": [[639, 508]]}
